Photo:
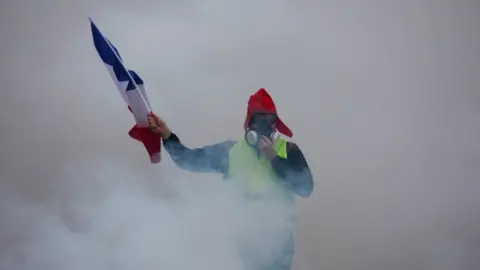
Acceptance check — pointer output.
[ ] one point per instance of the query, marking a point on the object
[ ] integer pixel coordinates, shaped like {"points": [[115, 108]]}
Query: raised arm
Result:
{"points": [[210, 158]]}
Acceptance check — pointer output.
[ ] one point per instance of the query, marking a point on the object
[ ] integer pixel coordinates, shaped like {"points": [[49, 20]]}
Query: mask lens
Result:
{"points": [[264, 119]]}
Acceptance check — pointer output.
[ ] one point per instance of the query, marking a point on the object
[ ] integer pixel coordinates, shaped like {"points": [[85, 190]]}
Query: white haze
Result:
{"points": [[382, 96]]}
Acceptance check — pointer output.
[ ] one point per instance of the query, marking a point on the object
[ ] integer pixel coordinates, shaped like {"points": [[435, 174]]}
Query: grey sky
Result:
{"points": [[382, 96]]}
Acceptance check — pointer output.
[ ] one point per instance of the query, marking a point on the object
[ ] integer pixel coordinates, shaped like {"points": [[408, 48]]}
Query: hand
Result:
{"points": [[266, 146], [158, 126]]}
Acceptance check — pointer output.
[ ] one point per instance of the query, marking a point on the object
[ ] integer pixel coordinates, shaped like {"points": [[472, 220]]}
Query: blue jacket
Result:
{"points": [[293, 171]]}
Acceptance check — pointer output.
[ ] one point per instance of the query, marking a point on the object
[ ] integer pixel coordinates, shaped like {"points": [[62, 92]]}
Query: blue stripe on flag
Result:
{"points": [[136, 78], [104, 48]]}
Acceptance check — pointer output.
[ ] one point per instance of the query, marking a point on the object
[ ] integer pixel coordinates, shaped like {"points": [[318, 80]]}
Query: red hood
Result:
{"points": [[261, 101]]}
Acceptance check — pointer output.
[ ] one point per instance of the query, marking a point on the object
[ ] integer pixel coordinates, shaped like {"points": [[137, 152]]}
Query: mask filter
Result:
{"points": [[252, 138]]}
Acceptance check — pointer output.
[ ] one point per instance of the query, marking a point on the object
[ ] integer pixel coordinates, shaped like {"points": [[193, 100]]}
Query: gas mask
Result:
{"points": [[261, 125]]}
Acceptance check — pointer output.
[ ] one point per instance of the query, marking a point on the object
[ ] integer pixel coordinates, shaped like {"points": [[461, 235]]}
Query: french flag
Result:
{"points": [[132, 90]]}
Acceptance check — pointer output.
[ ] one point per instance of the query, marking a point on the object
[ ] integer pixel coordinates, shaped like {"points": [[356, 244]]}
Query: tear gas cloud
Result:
{"points": [[126, 227], [382, 97]]}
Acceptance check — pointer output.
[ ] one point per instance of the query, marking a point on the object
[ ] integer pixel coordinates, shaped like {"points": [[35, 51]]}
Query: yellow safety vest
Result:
{"points": [[255, 177]]}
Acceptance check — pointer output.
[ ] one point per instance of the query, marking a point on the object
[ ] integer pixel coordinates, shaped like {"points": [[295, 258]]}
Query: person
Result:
{"points": [[262, 162]]}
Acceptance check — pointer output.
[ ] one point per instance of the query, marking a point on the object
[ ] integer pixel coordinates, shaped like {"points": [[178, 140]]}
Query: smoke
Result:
{"points": [[119, 224], [382, 97]]}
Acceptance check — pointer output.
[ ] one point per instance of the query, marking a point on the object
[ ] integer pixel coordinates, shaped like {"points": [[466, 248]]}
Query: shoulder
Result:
{"points": [[292, 146], [228, 143], [293, 149]]}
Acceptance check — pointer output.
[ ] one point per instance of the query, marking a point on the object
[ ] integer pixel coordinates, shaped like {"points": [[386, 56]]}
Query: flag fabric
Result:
{"points": [[132, 90]]}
